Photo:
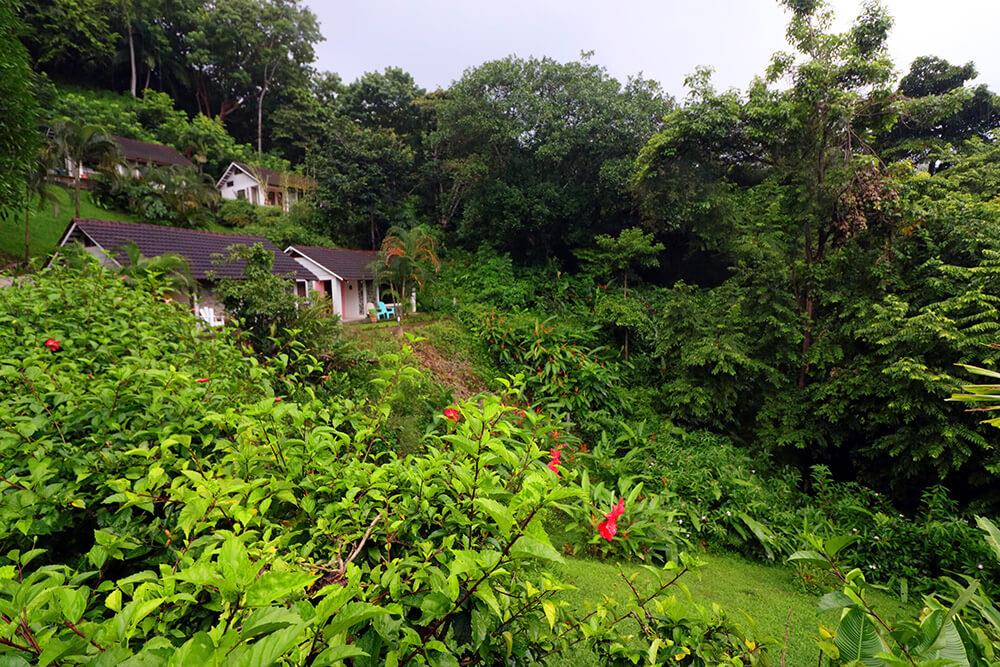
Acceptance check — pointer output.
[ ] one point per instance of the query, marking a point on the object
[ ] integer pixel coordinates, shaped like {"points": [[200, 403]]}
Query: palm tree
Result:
{"points": [[76, 144], [38, 187], [174, 267], [408, 257], [185, 190], [981, 393]]}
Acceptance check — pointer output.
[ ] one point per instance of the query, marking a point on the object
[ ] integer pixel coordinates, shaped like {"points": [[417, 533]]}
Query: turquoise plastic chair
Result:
{"points": [[385, 313]]}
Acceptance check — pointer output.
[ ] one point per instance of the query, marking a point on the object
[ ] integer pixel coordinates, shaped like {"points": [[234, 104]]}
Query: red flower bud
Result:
{"points": [[201, 380], [609, 527], [53, 345], [451, 414], [555, 455]]}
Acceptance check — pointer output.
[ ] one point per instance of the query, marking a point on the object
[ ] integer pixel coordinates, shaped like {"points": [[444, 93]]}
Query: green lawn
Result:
{"points": [[762, 598], [47, 224]]}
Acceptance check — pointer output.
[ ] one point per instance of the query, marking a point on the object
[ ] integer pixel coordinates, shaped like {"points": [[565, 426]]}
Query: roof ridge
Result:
{"points": [[327, 247], [143, 141], [205, 232]]}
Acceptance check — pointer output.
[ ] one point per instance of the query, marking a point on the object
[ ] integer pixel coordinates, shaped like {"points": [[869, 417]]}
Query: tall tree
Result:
{"points": [[365, 182], [938, 111], [549, 148], [19, 136], [387, 99], [622, 256], [70, 35], [242, 50]]}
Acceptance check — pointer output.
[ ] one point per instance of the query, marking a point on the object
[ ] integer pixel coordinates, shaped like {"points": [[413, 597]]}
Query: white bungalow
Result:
{"points": [[344, 276], [262, 186], [206, 255]]}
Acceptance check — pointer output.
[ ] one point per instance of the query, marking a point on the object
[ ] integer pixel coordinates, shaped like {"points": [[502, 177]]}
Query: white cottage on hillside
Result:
{"points": [[344, 276], [262, 186]]}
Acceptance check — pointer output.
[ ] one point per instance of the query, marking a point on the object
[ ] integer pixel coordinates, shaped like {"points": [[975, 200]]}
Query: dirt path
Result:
{"points": [[448, 368]]}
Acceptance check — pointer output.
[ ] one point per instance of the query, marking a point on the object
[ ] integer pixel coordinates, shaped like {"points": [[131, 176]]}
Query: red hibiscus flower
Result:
{"points": [[278, 399], [53, 344], [451, 414], [609, 527], [201, 380], [556, 454]]}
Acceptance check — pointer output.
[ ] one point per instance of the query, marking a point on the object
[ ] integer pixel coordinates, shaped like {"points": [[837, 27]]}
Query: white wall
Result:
{"points": [[322, 275], [240, 181]]}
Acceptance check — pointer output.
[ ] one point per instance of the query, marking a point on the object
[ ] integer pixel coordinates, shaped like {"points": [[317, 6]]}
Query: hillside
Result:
{"points": [[695, 380]]}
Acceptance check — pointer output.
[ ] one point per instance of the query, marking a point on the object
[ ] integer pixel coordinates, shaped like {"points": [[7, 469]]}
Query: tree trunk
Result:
{"points": [[625, 296], [807, 305], [260, 119], [27, 226], [76, 189], [131, 56]]}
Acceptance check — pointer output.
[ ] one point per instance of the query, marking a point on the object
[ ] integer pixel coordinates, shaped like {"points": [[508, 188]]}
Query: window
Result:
{"points": [[241, 194], [229, 184]]}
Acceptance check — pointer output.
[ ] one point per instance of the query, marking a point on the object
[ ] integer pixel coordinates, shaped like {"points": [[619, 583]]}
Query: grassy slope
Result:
{"points": [[762, 598], [48, 225], [446, 350]]}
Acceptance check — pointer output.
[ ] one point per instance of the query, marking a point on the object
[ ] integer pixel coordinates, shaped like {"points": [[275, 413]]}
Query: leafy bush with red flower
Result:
{"points": [[193, 523], [623, 521]]}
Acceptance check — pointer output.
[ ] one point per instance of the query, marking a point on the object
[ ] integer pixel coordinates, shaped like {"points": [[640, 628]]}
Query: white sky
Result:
{"points": [[435, 40]]}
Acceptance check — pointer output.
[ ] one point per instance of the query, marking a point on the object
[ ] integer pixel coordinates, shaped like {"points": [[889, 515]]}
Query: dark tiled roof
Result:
{"points": [[277, 178], [349, 264], [145, 151], [200, 249]]}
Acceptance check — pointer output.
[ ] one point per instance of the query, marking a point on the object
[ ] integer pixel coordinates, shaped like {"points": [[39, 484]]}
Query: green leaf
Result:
{"points": [[336, 654], [266, 651], [992, 534], [501, 515], [274, 585], [530, 547], [858, 640], [199, 650], [268, 619], [114, 600], [73, 602], [834, 600], [808, 557], [550, 613], [352, 614]]}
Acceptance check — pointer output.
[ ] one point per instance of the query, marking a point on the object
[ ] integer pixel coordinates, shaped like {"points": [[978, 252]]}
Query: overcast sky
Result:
{"points": [[435, 40]]}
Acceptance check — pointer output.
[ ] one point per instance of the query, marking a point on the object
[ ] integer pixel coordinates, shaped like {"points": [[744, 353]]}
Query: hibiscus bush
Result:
{"points": [[162, 503]]}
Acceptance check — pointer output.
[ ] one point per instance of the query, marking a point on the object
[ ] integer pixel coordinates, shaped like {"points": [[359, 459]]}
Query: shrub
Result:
{"points": [[237, 213], [560, 372], [162, 503]]}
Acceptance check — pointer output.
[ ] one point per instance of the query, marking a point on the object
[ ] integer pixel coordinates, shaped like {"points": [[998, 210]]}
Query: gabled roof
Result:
{"points": [[201, 249], [342, 262], [145, 151], [271, 177]]}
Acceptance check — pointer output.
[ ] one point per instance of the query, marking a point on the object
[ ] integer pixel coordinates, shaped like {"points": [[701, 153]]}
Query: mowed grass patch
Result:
{"points": [[443, 347], [766, 600], [47, 224]]}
